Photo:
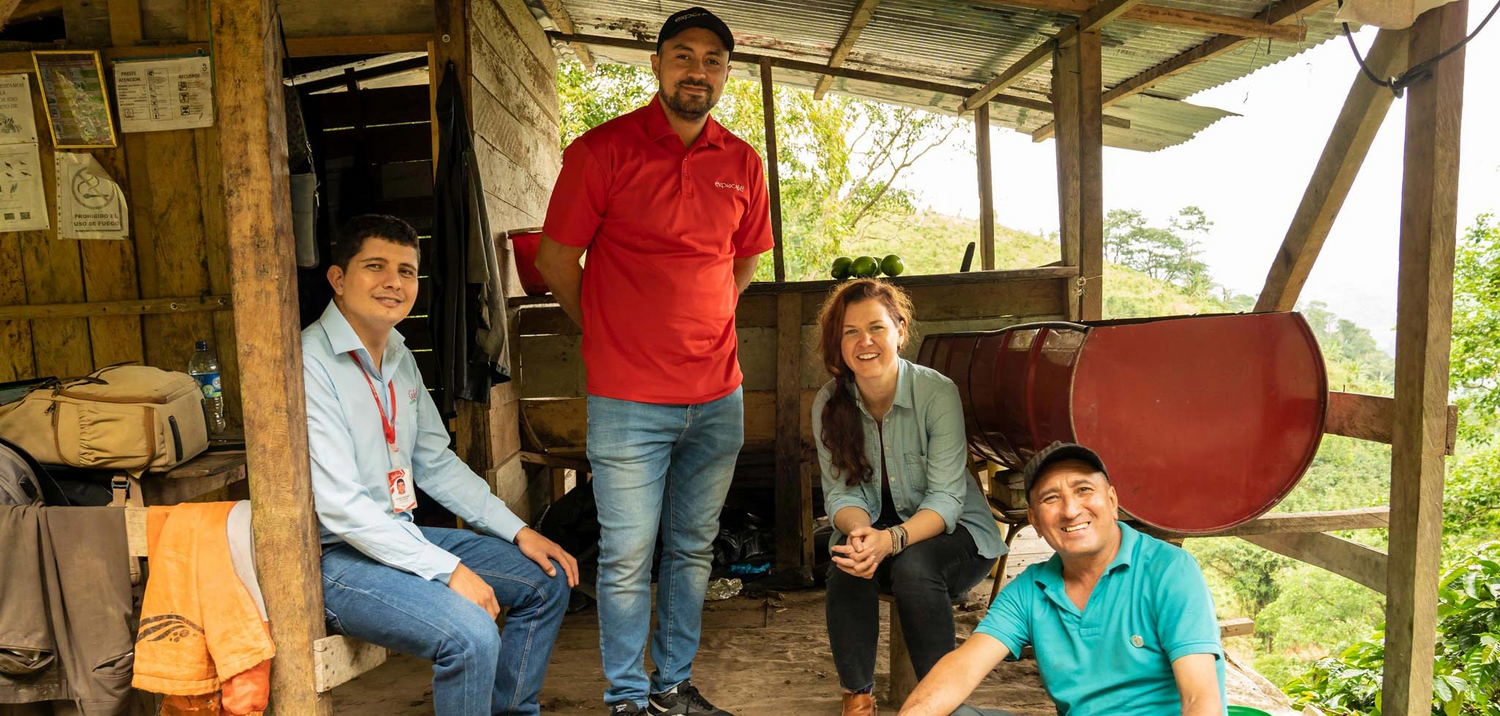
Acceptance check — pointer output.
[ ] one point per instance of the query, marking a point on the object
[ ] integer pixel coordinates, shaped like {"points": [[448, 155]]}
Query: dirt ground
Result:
{"points": [[759, 657]]}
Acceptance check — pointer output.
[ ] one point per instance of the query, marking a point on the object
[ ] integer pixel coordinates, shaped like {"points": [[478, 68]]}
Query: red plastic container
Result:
{"points": [[523, 247], [1205, 422]]}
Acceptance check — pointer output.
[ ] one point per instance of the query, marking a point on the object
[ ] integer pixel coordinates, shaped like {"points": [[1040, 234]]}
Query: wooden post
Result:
{"points": [[1076, 87], [1424, 329], [1065, 102], [773, 170], [986, 188], [793, 488], [1360, 119], [1091, 177], [258, 222]]}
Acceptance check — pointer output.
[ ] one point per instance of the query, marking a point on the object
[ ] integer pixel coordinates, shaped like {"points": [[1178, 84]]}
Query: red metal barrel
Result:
{"points": [[1203, 421]]}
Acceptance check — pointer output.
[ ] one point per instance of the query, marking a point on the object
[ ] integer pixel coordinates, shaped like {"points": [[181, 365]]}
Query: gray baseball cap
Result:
{"points": [[1057, 452]]}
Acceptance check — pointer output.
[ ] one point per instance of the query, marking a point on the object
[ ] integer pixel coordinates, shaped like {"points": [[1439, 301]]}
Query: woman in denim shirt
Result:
{"points": [[908, 517]]}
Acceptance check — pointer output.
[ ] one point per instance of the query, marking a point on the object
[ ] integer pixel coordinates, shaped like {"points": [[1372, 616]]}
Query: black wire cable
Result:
{"points": [[1419, 72]]}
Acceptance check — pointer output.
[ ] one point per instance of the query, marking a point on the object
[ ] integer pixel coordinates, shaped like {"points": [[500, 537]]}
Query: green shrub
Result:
{"points": [[1466, 674]]}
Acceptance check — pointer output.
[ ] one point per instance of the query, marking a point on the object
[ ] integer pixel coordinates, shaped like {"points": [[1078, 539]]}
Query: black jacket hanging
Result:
{"points": [[466, 314]]}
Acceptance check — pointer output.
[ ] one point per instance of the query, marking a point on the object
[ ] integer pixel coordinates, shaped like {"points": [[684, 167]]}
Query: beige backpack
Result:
{"points": [[125, 417]]}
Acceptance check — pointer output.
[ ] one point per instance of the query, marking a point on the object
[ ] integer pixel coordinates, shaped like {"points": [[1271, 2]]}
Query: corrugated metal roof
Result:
{"points": [[968, 43]]}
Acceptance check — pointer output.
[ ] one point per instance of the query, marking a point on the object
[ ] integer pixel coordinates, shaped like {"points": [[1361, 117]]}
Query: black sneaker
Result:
{"points": [[623, 708], [682, 700]]}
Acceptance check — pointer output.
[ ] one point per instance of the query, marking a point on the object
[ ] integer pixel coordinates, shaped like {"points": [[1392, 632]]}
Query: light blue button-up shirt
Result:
{"points": [[1113, 658], [926, 456], [350, 459]]}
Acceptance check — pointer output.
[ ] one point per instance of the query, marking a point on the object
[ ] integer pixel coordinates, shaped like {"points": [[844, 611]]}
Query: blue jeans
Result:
{"points": [[471, 674], [666, 467]]}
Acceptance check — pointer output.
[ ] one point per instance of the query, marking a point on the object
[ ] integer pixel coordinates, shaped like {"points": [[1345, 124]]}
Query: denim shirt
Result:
{"points": [[926, 456]]}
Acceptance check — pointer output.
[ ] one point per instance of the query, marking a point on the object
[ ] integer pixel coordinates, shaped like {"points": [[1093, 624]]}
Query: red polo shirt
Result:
{"points": [[662, 224]]}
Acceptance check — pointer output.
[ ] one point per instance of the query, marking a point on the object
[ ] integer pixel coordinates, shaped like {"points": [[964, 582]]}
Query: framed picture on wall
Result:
{"points": [[72, 83]]}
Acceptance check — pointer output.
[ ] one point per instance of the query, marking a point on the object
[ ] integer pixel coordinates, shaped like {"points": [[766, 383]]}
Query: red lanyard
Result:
{"points": [[388, 424]]}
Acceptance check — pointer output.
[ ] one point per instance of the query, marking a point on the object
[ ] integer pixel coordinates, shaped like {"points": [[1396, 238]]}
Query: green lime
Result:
{"points": [[892, 265], [865, 267], [841, 268]]}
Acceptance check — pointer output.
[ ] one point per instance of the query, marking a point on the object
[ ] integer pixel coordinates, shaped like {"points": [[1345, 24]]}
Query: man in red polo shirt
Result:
{"points": [[673, 213]]}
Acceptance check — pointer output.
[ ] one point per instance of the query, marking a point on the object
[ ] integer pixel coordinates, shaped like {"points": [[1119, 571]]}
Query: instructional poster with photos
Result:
{"points": [[157, 95], [23, 205]]}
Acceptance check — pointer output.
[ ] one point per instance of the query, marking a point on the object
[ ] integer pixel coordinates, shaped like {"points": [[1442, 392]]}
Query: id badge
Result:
{"points": [[403, 492]]}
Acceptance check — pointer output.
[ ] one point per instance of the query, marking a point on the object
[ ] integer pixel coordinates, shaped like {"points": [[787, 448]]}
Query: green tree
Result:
{"points": [[1475, 363], [841, 160], [1169, 254]]}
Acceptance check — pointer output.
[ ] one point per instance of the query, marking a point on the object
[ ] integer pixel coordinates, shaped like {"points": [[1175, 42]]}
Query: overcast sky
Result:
{"points": [[1248, 174]]}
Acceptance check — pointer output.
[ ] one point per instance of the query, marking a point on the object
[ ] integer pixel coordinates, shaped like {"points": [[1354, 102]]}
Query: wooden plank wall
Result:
{"points": [[552, 391], [513, 110], [176, 249]]}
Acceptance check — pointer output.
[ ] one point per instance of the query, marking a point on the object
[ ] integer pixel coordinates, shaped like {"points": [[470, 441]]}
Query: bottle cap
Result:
{"points": [[201, 345]]}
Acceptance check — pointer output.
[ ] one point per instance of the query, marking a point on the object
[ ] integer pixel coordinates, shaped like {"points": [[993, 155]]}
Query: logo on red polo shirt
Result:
{"points": [[730, 185]]}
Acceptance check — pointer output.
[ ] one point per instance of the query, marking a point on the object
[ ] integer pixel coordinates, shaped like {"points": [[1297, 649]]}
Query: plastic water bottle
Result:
{"points": [[205, 368]]}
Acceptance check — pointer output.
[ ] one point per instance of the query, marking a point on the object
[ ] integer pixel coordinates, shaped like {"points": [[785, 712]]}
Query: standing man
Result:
{"points": [[672, 210], [1121, 623], [374, 433]]}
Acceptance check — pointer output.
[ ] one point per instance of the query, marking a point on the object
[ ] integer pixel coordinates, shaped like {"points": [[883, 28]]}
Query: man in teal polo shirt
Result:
{"points": [[1122, 623]]}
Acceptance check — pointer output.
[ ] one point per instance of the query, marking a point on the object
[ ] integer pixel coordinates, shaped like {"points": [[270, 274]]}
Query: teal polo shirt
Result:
{"points": [[1115, 657]]}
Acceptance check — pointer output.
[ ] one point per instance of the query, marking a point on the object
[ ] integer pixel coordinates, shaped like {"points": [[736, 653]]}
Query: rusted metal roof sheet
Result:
{"points": [[967, 43]]}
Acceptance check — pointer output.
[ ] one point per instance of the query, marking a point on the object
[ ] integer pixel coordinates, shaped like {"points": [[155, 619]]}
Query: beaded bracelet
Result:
{"points": [[898, 539]]}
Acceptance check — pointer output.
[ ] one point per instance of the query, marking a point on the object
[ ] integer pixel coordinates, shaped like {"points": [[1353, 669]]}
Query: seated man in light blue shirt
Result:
{"points": [[1122, 623], [374, 435]]}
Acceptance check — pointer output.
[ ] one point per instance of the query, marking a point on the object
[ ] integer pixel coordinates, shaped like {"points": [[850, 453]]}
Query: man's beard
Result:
{"points": [[687, 107]]}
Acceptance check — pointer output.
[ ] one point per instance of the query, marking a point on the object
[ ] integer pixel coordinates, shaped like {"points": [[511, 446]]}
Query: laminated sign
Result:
{"points": [[23, 205], [157, 95], [90, 205]]}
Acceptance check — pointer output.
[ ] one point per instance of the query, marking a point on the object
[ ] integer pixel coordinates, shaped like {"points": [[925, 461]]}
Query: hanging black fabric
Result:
{"points": [[464, 274]]}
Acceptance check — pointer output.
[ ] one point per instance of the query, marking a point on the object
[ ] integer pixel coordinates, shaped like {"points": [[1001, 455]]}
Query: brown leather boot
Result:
{"points": [[859, 705]]}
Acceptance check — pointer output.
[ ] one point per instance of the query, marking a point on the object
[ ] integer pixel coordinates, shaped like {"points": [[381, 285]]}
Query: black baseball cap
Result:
{"points": [[1055, 453], [690, 18]]}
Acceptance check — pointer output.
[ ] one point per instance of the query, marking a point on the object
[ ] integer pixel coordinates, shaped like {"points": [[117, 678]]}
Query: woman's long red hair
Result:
{"points": [[843, 433]]}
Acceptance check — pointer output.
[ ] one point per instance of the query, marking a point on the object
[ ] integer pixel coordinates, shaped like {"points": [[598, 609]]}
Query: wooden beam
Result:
{"points": [[1235, 627], [258, 223], [1360, 119], [1346, 558], [357, 44], [773, 166], [1098, 15], [1373, 418], [1286, 12], [1069, 184], [132, 307], [1366, 518], [1158, 16], [1091, 177], [124, 22], [339, 659], [794, 526], [564, 21], [1424, 332], [33, 9], [986, 187], [857, 22], [810, 68]]}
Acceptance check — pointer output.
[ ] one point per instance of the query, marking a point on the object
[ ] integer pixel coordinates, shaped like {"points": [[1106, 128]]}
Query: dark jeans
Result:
{"points": [[925, 579]]}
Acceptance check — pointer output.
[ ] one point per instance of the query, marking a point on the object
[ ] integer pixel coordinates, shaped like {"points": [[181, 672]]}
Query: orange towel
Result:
{"points": [[201, 632]]}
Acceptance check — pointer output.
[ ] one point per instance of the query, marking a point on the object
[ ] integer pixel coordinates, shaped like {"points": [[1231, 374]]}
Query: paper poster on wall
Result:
{"points": [[72, 84], [90, 205], [157, 95], [17, 120], [23, 206]]}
